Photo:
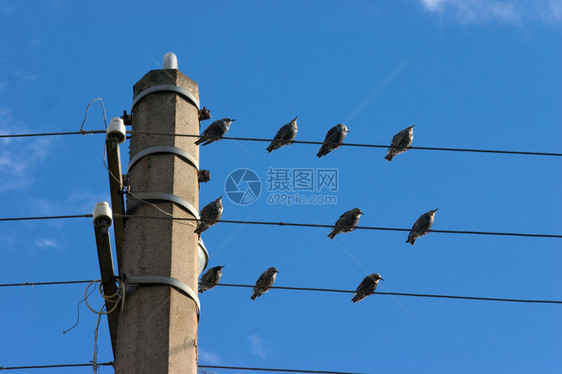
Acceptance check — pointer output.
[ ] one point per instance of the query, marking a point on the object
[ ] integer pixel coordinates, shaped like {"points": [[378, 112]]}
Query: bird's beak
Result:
{"points": [[348, 130], [435, 210], [382, 279], [295, 118], [232, 120], [220, 198], [362, 213], [222, 266]]}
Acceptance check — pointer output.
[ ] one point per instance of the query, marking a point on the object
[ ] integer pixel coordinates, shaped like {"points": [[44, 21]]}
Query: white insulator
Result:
{"points": [[170, 61], [116, 129], [102, 214]]}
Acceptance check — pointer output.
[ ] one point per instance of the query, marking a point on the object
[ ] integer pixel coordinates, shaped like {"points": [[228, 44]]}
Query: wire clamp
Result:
{"points": [[173, 282]]}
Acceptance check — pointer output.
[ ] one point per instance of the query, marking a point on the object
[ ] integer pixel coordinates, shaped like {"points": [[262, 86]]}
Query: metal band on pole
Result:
{"points": [[167, 197], [166, 88], [157, 279], [164, 149]]}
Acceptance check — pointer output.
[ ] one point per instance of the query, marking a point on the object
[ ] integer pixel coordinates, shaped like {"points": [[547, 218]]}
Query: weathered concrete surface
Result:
{"points": [[157, 332]]}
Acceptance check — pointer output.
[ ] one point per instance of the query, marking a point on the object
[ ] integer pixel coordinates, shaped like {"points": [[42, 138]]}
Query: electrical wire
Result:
{"points": [[88, 108], [45, 217], [362, 145], [33, 284], [53, 366], [275, 370], [473, 150], [291, 224], [83, 132], [404, 294], [201, 366], [358, 227], [333, 291]]}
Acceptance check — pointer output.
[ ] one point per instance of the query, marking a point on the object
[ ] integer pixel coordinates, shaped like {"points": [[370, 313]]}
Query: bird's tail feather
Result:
{"points": [[389, 156], [199, 141], [411, 240], [253, 297], [332, 235]]}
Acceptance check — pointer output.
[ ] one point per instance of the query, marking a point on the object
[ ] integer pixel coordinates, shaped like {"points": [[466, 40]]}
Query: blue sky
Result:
{"points": [[475, 74]]}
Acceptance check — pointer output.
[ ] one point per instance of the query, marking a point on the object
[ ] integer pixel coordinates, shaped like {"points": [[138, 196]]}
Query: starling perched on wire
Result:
{"points": [[334, 138], [422, 226], [210, 279], [264, 282], [400, 142], [284, 136], [215, 131], [367, 287], [346, 223], [210, 215]]}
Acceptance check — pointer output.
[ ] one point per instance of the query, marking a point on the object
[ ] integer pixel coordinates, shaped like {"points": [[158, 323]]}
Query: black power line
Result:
{"points": [[83, 132], [201, 366], [364, 145], [45, 217], [473, 150], [322, 290], [358, 227], [274, 370], [53, 366], [291, 224], [32, 284], [404, 294]]}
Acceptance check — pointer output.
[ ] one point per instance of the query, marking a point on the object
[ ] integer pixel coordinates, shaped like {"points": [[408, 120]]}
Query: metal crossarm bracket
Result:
{"points": [[166, 197], [164, 149], [166, 88], [157, 279]]}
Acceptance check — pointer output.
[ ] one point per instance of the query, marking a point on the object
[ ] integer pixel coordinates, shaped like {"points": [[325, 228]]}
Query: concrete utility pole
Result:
{"points": [[157, 331]]}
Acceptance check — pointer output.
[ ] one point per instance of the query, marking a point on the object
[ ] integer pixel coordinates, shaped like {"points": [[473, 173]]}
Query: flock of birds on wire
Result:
{"points": [[348, 221]]}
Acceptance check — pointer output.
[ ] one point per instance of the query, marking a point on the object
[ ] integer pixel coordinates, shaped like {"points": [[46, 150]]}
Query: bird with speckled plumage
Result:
{"points": [[367, 287], [215, 131], [422, 226], [400, 142], [210, 279], [284, 136], [210, 215], [346, 223], [264, 282], [334, 139]]}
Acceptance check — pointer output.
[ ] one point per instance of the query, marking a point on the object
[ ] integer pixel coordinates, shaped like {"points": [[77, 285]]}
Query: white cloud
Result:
{"points": [[507, 11], [25, 76], [209, 358], [76, 203], [18, 156], [257, 346], [46, 243]]}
